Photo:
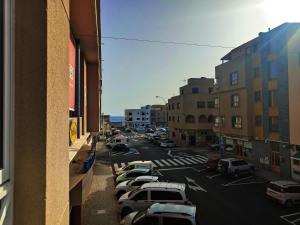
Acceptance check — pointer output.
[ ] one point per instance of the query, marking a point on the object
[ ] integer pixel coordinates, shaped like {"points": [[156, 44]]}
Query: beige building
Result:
{"points": [[51, 66], [190, 118], [159, 116], [255, 99]]}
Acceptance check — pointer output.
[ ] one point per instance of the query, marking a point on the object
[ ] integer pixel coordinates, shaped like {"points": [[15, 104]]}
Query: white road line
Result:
{"points": [[122, 164], [154, 165], [187, 162], [192, 160], [159, 163], [175, 168], [216, 175], [233, 182], [165, 162], [177, 160], [202, 157], [199, 160], [172, 162], [252, 182], [198, 170]]}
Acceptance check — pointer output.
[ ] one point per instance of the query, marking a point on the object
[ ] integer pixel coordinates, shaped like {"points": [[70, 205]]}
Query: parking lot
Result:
{"points": [[219, 199]]}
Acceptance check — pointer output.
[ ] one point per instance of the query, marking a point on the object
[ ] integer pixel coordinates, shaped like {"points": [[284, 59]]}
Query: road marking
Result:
{"points": [[216, 175], [198, 170], [154, 165], [245, 183], [159, 163], [284, 217], [122, 164], [172, 162], [165, 162], [202, 157], [192, 160], [233, 182], [175, 168], [177, 160], [199, 160], [193, 185], [187, 162]]}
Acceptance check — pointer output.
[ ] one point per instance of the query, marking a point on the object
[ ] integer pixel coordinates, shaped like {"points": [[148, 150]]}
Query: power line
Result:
{"points": [[166, 42]]}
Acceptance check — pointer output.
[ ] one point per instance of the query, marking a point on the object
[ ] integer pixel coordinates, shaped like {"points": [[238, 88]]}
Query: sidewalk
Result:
{"points": [[101, 207]]}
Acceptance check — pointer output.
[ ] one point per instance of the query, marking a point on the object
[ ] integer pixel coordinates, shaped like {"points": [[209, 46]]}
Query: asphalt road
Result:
{"points": [[220, 200]]}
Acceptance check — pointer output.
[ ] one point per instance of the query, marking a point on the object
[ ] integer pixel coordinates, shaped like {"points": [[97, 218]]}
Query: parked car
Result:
{"points": [[235, 167], [131, 174], [135, 165], [163, 214], [284, 192], [130, 185], [158, 192], [120, 148], [168, 144], [119, 139], [212, 163]]}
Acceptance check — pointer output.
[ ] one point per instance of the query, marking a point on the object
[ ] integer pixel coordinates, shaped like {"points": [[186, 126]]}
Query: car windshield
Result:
{"points": [[139, 216]]}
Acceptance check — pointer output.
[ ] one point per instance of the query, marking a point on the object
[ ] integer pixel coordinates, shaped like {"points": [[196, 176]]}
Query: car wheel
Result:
{"points": [[288, 203], [126, 211], [120, 193]]}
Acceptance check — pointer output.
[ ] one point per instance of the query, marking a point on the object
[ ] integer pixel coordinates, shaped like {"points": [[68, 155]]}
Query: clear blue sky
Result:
{"points": [[135, 72]]}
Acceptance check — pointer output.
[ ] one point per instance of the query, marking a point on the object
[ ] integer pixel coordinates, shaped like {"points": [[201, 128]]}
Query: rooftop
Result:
{"points": [[172, 208]]}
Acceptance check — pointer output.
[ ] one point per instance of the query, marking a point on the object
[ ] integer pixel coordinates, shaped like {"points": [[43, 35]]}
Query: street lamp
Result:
{"points": [[161, 98]]}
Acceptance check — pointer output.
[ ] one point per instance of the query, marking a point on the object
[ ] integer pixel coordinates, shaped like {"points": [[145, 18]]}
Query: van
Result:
{"points": [[150, 193], [284, 192], [135, 165], [120, 139]]}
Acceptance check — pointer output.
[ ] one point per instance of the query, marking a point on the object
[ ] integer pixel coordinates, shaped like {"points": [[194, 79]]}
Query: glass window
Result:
{"points": [[210, 104], [234, 78], [176, 221], [140, 196], [195, 90], [273, 98], [273, 70], [178, 105], [219, 121], [190, 119], [273, 123], [158, 195], [235, 100], [200, 104], [236, 122], [182, 91], [257, 96]]}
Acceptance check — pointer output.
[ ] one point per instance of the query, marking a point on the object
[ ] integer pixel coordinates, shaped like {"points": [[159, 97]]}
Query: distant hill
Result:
{"points": [[117, 119]]}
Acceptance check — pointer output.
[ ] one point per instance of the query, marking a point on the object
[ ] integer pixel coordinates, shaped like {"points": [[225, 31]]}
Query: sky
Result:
{"points": [[134, 73]]}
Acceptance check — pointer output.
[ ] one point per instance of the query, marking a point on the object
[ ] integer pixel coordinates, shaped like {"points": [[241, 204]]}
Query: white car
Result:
{"points": [[168, 144], [130, 185], [135, 165]]}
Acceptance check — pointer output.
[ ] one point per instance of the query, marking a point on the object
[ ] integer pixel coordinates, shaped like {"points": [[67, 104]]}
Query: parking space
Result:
{"points": [[293, 218]]}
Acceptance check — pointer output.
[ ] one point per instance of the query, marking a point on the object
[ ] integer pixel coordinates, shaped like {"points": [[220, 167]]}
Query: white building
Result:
{"points": [[138, 118]]}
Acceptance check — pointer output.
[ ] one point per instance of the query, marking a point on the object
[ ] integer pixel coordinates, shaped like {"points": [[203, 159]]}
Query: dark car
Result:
{"points": [[120, 148], [212, 163]]}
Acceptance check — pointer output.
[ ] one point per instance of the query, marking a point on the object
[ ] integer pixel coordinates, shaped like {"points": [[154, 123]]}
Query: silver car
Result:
{"points": [[130, 185], [163, 214]]}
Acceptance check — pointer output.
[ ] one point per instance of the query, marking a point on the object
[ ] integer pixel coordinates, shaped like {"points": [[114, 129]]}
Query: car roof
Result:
{"points": [[139, 162], [139, 170], [284, 183], [166, 185], [188, 210], [145, 178]]}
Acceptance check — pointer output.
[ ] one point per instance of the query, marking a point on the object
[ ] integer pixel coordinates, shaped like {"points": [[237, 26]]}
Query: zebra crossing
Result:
{"points": [[171, 162]]}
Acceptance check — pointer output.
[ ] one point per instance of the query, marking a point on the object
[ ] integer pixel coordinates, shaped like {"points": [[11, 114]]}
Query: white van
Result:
{"points": [[120, 139], [135, 165]]}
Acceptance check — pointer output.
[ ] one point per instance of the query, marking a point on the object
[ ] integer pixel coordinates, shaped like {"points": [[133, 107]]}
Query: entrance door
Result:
{"points": [[275, 157], [192, 140]]}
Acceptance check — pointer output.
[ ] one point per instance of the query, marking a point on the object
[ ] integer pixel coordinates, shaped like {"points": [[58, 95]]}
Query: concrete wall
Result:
{"points": [[41, 113]]}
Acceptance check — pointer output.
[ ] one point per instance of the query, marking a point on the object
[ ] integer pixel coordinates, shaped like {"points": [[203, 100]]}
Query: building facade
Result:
{"points": [[138, 118], [255, 110], [190, 118], [50, 107], [159, 116]]}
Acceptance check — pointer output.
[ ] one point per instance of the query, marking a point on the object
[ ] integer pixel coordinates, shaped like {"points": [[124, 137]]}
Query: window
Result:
{"points": [[273, 70], [200, 104], [178, 119], [234, 78], [219, 121], [130, 114], [254, 48], [195, 90], [256, 72], [273, 98], [158, 195], [273, 124], [217, 103], [173, 106], [178, 105], [235, 99], [296, 162], [190, 119], [210, 119], [210, 104], [169, 107], [176, 221], [165, 195], [202, 119], [137, 118], [182, 91], [141, 196], [257, 96], [258, 121], [173, 118], [236, 122], [169, 118], [183, 137], [138, 183]]}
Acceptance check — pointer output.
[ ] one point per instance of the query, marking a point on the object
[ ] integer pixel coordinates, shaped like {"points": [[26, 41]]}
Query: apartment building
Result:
{"points": [[190, 114], [159, 116], [50, 106], [255, 110], [138, 118]]}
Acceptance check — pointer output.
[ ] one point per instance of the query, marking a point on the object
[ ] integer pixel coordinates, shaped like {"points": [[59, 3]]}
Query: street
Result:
{"points": [[219, 200]]}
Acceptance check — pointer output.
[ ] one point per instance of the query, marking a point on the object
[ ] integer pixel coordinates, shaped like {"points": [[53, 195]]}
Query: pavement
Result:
{"points": [[101, 207]]}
